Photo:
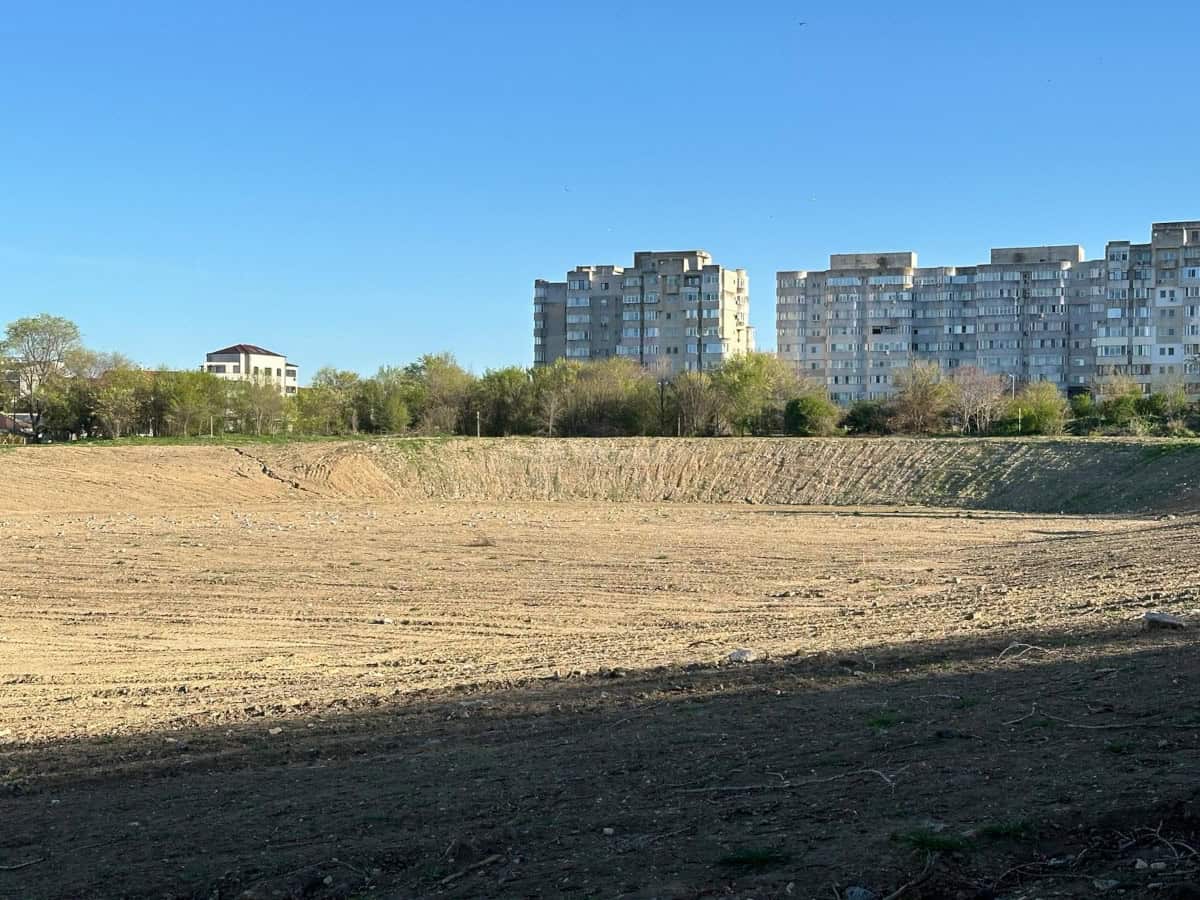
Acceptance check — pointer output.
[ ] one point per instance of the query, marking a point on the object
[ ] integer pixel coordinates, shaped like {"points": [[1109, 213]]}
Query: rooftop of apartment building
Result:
{"points": [[653, 260], [1168, 234], [1000, 256]]}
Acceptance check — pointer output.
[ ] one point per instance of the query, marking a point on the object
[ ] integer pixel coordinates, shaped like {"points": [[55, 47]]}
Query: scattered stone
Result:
{"points": [[1158, 866], [609, 832], [1157, 620], [275, 731], [745, 655], [1140, 864], [1104, 885], [860, 893], [968, 616]]}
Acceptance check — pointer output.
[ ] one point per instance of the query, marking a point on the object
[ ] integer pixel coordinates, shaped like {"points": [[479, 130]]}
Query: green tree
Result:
{"points": [[336, 395], [195, 399], [117, 399], [750, 386], [257, 404], [441, 393], [38, 348], [552, 388], [922, 399], [505, 400]]}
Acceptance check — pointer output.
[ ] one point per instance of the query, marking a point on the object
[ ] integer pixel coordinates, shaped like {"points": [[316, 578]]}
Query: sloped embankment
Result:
{"points": [[1072, 476]]}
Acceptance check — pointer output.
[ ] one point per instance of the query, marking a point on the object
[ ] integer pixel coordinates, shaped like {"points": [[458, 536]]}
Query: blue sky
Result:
{"points": [[356, 184]]}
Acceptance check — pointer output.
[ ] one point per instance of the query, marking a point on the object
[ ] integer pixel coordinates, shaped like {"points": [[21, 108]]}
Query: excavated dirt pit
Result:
{"points": [[276, 693]]}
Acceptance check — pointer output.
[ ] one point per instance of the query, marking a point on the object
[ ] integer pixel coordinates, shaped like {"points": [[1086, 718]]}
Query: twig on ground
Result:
{"points": [[925, 873], [645, 709], [889, 780], [495, 857], [1116, 726], [1022, 648], [1032, 712], [24, 865]]}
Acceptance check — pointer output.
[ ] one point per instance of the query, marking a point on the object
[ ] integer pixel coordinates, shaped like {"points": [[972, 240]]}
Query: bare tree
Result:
{"points": [[697, 400], [976, 398]]}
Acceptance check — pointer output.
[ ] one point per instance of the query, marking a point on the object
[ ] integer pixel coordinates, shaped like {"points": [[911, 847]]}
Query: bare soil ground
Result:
{"points": [[288, 696]]}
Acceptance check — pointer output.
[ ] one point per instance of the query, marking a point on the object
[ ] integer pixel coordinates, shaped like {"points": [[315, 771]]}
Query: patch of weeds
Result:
{"points": [[753, 858], [885, 719], [933, 841], [1014, 829], [661, 556]]}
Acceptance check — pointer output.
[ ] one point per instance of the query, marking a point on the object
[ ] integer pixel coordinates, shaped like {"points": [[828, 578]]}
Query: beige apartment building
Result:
{"points": [[672, 311], [1040, 313], [247, 362]]}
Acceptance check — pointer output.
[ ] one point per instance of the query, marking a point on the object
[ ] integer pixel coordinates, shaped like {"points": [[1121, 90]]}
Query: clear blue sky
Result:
{"points": [[355, 184]]}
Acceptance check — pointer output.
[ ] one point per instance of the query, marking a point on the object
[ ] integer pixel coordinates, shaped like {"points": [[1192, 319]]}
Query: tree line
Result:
{"points": [[66, 390]]}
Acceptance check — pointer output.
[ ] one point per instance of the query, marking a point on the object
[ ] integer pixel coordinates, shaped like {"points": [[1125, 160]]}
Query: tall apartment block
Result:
{"points": [[671, 311], [1030, 313]]}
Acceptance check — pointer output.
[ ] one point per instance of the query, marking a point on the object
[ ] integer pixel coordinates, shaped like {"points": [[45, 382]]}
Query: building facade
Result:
{"points": [[672, 312], [246, 362], [1030, 313]]}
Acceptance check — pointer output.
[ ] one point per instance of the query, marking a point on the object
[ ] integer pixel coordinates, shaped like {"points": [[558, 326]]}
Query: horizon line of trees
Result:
{"points": [[68, 390]]}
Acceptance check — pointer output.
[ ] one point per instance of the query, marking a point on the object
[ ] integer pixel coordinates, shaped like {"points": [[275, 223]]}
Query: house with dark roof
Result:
{"points": [[250, 362]]}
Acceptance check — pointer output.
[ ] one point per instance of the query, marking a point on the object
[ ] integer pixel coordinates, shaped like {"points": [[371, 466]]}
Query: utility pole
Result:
{"points": [[662, 406], [478, 425]]}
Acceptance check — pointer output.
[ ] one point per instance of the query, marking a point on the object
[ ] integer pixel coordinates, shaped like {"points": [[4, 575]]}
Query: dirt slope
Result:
{"points": [[1071, 476]]}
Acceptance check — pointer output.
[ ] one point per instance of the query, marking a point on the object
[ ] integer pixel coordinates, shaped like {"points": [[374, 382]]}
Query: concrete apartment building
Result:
{"points": [[247, 362], [1030, 313], [672, 311]]}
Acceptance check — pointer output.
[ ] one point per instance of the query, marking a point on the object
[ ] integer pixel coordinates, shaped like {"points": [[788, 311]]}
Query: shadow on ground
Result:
{"points": [[950, 769]]}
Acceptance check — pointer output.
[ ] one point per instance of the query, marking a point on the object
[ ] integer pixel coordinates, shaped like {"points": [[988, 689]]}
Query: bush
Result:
{"points": [[868, 417], [810, 416], [1038, 409]]}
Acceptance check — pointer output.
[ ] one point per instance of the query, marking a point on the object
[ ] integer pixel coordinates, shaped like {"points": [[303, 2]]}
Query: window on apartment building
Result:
{"points": [[256, 370], [291, 373], [237, 369]]}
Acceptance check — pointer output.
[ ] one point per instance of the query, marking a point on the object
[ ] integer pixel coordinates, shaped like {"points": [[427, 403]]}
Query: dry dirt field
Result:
{"points": [[275, 694]]}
